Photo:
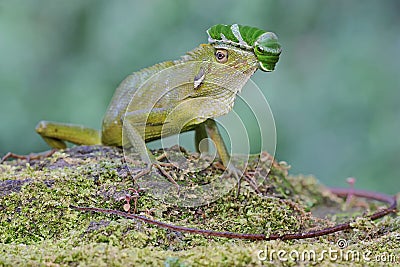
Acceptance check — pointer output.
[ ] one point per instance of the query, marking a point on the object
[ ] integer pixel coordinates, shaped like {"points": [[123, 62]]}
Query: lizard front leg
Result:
{"points": [[215, 135], [133, 139], [200, 138]]}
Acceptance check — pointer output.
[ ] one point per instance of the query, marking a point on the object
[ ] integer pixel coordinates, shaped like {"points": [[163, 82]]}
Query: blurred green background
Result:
{"points": [[334, 95]]}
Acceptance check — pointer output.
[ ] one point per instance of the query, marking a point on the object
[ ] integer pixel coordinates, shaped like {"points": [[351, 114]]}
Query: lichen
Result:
{"points": [[37, 227]]}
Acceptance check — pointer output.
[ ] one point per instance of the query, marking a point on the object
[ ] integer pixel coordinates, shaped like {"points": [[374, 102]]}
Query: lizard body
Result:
{"points": [[200, 86]]}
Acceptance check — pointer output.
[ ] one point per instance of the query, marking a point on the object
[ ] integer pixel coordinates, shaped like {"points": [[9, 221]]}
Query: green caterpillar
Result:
{"points": [[264, 44]]}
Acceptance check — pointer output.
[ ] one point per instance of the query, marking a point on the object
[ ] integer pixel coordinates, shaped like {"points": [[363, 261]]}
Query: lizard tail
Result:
{"points": [[55, 134]]}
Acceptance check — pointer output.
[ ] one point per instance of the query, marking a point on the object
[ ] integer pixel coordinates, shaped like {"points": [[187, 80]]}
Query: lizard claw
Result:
{"points": [[160, 166], [237, 174]]}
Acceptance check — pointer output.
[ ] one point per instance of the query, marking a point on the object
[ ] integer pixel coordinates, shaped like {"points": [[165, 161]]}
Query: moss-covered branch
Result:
{"points": [[38, 227]]}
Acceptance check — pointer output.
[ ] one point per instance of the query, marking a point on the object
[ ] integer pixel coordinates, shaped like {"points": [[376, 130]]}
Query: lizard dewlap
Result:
{"points": [[264, 44]]}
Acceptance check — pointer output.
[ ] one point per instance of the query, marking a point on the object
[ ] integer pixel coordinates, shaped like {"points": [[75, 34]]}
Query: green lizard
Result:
{"points": [[200, 86]]}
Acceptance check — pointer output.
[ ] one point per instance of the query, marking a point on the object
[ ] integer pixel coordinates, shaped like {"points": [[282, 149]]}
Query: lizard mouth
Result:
{"points": [[268, 66]]}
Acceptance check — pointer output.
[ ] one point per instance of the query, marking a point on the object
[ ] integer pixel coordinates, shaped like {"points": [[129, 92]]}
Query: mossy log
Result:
{"points": [[39, 228]]}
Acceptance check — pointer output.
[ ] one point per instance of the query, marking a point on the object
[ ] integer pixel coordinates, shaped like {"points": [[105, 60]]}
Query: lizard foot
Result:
{"points": [[160, 166], [239, 175]]}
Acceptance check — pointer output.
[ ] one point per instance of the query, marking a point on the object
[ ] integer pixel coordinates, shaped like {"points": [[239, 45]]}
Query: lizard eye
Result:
{"points": [[259, 49], [221, 55]]}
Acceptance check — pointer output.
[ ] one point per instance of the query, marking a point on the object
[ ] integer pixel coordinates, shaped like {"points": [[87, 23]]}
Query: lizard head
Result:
{"points": [[264, 45], [222, 67]]}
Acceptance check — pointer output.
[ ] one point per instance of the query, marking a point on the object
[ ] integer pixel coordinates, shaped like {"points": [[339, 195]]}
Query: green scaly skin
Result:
{"points": [[141, 103]]}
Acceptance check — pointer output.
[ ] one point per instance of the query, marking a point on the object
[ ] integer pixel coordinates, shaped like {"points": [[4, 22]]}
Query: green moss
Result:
{"points": [[37, 227]]}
